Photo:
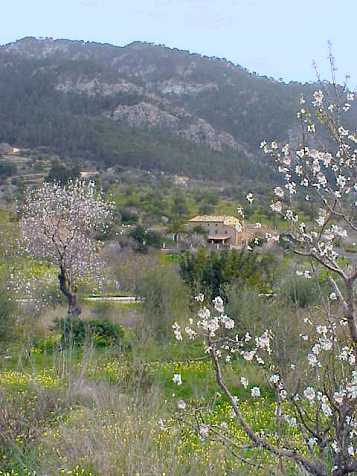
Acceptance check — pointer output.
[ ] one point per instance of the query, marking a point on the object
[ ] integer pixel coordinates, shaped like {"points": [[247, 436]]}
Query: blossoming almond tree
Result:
{"points": [[58, 224], [317, 399]]}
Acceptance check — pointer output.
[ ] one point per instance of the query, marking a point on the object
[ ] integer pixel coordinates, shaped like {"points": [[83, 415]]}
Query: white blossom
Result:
{"points": [[181, 404], [274, 378], [244, 382], [203, 430], [218, 304], [250, 197], [177, 331], [309, 393], [255, 392], [279, 192], [177, 379], [318, 98]]}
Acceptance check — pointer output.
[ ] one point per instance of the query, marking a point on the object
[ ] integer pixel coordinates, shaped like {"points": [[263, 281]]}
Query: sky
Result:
{"points": [[278, 38]]}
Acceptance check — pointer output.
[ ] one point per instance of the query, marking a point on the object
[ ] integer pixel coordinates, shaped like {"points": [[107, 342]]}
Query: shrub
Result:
{"points": [[61, 174], [211, 272], [128, 267], [300, 291], [145, 238], [47, 344], [247, 308], [165, 300], [128, 217], [7, 169], [254, 313], [7, 309], [101, 333]]}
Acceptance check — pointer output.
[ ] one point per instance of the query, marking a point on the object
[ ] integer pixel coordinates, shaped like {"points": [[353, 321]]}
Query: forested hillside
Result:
{"points": [[142, 106]]}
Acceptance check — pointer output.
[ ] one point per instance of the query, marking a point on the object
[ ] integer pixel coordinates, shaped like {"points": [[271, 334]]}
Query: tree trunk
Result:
{"points": [[350, 312], [74, 309]]}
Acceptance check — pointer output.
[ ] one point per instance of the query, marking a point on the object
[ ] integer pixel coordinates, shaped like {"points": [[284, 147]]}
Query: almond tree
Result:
{"points": [[58, 225], [317, 398]]}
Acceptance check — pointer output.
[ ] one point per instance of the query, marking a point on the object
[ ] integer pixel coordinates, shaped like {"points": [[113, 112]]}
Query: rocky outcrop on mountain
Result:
{"points": [[200, 132], [142, 104], [144, 115], [181, 88], [154, 107], [183, 124], [203, 100], [96, 86]]}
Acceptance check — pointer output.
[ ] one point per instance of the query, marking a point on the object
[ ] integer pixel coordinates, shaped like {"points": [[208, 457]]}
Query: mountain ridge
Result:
{"points": [[80, 97]]}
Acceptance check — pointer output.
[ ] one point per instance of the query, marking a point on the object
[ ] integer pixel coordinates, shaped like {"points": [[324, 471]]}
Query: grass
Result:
{"points": [[96, 412]]}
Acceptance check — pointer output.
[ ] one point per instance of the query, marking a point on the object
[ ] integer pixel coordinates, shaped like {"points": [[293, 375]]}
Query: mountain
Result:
{"points": [[142, 105]]}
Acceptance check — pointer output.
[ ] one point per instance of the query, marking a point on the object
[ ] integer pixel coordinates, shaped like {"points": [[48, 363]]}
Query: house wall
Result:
{"points": [[219, 229], [236, 238]]}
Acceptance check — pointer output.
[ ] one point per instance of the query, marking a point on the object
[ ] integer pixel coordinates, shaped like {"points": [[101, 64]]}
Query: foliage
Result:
{"points": [[7, 169], [100, 332], [128, 267], [211, 271], [22, 416], [179, 208], [165, 300], [300, 291], [254, 312], [47, 344], [61, 174], [7, 316], [128, 217], [47, 417], [145, 238]]}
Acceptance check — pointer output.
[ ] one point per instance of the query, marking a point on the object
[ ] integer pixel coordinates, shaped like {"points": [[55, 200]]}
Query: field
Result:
{"points": [[105, 401], [100, 409], [104, 412]]}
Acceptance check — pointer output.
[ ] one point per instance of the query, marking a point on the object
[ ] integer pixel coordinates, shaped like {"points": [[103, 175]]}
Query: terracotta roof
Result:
{"points": [[226, 220]]}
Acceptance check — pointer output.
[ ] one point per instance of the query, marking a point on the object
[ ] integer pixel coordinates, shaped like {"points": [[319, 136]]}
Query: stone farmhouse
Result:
{"points": [[228, 231], [221, 230]]}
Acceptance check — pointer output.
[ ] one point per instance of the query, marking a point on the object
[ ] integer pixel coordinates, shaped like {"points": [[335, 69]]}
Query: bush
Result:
{"points": [[7, 309], [247, 309], [165, 300], [60, 174], [211, 272], [47, 344], [300, 291], [128, 217], [254, 313], [7, 169], [145, 238], [101, 333]]}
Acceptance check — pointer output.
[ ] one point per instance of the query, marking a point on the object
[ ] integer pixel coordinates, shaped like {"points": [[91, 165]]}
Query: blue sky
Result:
{"points": [[279, 38]]}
